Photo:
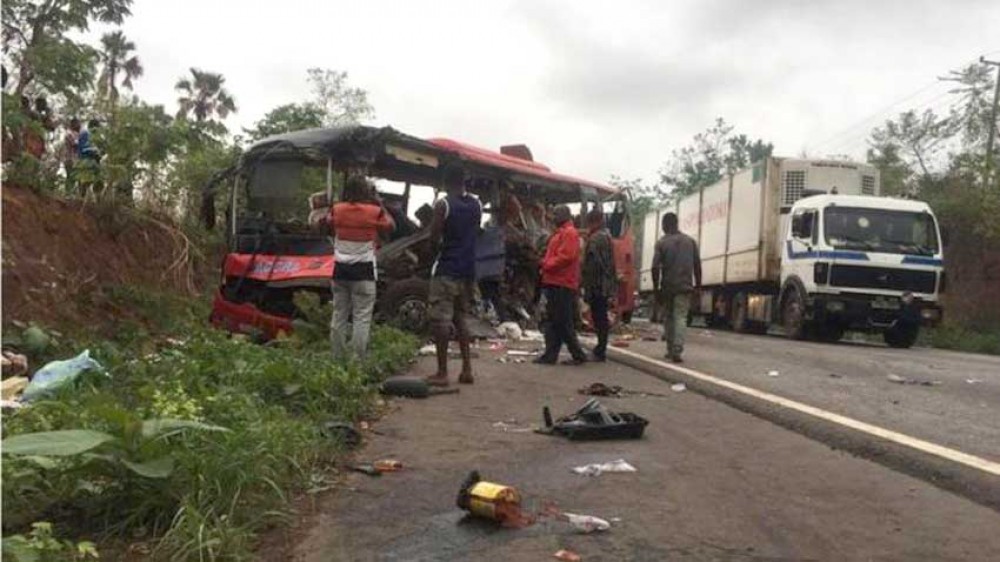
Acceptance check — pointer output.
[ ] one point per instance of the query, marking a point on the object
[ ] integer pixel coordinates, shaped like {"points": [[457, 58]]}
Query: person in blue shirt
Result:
{"points": [[454, 228]]}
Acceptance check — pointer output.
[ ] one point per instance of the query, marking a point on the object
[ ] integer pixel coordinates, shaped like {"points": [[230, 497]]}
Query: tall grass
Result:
{"points": [[225, 486]]}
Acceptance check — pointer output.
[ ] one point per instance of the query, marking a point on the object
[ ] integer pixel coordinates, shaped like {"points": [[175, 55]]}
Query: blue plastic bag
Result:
{"points": [[56, 374]]}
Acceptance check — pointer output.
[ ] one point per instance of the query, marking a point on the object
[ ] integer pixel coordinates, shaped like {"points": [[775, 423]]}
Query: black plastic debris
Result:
{"points": [[343, 432], [594, 421]]}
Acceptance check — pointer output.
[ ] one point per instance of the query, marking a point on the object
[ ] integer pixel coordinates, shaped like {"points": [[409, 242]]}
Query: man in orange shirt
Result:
{"points": [[561, 283], [355, 224]]}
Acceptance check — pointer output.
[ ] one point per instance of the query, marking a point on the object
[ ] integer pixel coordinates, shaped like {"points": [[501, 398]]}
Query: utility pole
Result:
{"points": [[993, 125]]}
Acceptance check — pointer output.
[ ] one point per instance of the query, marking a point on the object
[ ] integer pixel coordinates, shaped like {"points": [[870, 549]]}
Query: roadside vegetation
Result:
{"points": [[187, 445]]}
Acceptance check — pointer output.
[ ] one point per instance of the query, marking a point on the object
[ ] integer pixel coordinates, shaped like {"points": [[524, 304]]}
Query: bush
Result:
{"points": [[197, 494], [958, 338]]}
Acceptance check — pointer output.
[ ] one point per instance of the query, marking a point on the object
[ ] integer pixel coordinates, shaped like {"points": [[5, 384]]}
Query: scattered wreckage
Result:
{"points": [[282, 184]]}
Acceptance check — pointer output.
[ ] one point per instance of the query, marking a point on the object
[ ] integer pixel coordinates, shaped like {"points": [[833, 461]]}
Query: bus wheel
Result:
{"points": [[405, 305]]}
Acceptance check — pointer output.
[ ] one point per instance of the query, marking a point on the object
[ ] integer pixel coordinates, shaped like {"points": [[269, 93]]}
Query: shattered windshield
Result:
{"points": [[880, 230], [280, 189]]}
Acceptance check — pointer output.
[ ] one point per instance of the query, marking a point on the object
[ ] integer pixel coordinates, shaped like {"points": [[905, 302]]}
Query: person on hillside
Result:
{"points": [[355, 224], [600, 280], [561, 282], [676, 273], [88, 160], [70, 151], [454, 228]]}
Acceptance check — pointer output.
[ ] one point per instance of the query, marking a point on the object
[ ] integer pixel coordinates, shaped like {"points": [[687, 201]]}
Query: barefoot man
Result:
{"points": [[454, 228]]}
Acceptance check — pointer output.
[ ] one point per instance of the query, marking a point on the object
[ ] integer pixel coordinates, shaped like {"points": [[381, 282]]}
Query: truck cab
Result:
{"points": [[852, 262]]}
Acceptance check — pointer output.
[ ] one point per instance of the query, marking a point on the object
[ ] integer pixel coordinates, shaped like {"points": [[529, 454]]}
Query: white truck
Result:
{"points": [[811, 245]]}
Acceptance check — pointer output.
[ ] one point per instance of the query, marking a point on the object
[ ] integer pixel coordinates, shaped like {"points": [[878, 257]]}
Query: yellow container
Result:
{"points": [[493, 501]]}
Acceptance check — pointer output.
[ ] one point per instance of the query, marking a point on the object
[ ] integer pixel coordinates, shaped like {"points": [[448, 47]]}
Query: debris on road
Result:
{"points": [[567, 556], [586, 523], [835, 376], [678, 387], [488, 500], [532, 336], [614, 391], [14, 364], [521, 353], [619, 343], [57, 374], [511, 331], [428, 350], [13, 387], [366, 468], [595, 421], [773, 373], [903, 380], [596, 469], [973, 381], [344, 432], [511, 426], [388, 465]]}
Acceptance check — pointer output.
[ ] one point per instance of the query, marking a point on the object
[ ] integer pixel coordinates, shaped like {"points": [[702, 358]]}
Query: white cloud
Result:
{"points": [[594, 88]]}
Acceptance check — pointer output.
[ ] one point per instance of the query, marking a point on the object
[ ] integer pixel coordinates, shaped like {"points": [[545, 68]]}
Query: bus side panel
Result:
{"points": [[745, 218], [714, 219]]}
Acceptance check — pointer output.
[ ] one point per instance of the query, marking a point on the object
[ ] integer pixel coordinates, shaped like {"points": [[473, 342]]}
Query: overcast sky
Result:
{"points": [[593, 87]]}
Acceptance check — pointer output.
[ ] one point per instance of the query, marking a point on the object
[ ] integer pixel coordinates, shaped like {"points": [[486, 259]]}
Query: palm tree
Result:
{"points": [[204, 96], [117, 57]]}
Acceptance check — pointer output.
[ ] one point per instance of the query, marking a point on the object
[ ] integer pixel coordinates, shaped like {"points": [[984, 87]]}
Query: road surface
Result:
{"points": [[713, 483], [949, 398]]}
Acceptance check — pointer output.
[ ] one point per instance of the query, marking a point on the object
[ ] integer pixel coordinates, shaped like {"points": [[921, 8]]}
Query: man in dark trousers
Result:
{"points": [[600, 280], [561, 283], [454, 228], [676, 273]]}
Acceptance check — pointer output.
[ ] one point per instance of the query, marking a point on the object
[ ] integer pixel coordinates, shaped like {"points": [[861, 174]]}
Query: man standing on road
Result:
{"points": [[676, 264], [561, 283], [600, 280], [454, 228], [355, 224]]}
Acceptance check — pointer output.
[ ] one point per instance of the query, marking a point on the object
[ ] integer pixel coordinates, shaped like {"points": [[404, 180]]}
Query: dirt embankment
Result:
{"points": [[59, 256]]}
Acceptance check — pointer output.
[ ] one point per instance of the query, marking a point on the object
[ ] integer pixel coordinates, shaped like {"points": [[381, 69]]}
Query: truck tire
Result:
{"points": [[740, 323], [405, 305], [901, 337], [793, 316]]}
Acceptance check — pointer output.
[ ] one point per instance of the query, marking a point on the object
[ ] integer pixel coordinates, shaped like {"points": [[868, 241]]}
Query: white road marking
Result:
{"points": [[946, 453]]}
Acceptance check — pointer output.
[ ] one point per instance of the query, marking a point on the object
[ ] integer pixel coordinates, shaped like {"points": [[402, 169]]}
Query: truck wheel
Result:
{"points": [[405, 305], [901, 337], [740, 322], [793, 316]]}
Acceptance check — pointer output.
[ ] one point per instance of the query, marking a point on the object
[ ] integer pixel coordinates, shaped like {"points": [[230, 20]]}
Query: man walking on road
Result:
{"points": [[454, 227], [355, 224], [560, 283], [676, 273], [600, 280]]}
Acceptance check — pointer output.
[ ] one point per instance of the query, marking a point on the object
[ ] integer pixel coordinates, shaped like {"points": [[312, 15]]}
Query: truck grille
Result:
{"points": [[863, 277]]}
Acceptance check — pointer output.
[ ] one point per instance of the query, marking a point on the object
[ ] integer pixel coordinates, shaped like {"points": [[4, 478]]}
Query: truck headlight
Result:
{"points": [[821, 273], [930, 314]]}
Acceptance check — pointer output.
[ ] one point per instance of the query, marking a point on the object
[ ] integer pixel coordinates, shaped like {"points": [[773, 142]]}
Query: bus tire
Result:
{"points": [[793, 315], [405, 305]]}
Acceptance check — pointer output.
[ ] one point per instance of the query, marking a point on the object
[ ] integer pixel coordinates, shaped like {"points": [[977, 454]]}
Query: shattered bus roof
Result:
{"points": [[366, 145]]}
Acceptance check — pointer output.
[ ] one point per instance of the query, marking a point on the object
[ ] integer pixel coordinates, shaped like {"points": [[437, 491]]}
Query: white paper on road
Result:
{"points": [[587, 523], [597, 469]]}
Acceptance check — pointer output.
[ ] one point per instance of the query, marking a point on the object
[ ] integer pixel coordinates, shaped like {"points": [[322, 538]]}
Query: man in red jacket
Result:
{"points": [[561, 283]]}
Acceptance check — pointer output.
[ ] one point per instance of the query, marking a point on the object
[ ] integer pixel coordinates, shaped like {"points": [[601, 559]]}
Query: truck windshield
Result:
{"points": [[880, 230]]}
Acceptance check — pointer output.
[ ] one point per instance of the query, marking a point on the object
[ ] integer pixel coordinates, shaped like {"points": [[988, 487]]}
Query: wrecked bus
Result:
{"points": [[282, 183]]}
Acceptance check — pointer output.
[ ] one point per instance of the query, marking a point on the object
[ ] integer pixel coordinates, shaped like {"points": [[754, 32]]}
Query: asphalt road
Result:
{"points": [[713, 483], [951, 399]]}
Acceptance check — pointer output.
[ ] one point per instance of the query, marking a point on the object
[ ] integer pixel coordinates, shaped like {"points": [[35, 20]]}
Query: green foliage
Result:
{"points": [[117, 59], [287, 118], [36, 42], [40, 545], [711, 155], [959, 338], [146, 458], [204, 96]]}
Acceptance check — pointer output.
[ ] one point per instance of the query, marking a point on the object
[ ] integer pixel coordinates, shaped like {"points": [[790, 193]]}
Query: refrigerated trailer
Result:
{"points": [[811, 245]]}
